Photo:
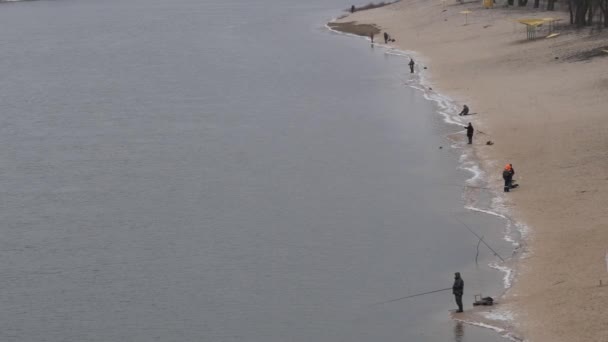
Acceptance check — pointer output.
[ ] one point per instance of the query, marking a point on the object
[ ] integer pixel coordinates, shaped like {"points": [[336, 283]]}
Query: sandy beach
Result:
{"points": [[543, 104]]}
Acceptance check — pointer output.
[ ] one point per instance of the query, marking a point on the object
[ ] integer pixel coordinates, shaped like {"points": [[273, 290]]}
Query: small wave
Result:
{"points": [[508, 271], [485, 211], [503, 332]]}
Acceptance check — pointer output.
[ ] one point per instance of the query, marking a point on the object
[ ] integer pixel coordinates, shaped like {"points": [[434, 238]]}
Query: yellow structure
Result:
{"points": [[466, 14], [533, 23], [488, 3]]}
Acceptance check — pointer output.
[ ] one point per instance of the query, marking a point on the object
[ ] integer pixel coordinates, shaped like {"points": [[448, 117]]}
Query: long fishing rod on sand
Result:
{"points": [[414, 295], [481, 239]]}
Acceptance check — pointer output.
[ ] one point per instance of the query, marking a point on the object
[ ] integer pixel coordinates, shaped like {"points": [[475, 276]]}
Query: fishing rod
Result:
{"points": [[481, 239], [468, 186], [414, 295]]}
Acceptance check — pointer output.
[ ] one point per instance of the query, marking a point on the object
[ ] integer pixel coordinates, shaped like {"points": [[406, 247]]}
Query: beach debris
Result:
{"points": [[552, 35], [487, 301], [556, 57], [424, 68], [440, 147], [489, 143]]}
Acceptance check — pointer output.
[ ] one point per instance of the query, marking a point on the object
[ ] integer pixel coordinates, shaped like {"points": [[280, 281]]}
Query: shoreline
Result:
{"points": [[515, 85], [492, 318]]}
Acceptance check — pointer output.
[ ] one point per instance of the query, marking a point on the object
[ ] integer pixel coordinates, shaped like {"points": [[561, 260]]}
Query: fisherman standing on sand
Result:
{"points": [[411, 66], [385, 38], [470, 131], [457, 290], [352, 9], [371, 36], [507, 175]]}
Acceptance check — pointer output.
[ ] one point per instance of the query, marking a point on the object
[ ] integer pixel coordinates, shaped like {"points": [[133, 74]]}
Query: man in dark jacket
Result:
{"points": [[470, 131], [457, 290], [411, 64], [465, 111]]}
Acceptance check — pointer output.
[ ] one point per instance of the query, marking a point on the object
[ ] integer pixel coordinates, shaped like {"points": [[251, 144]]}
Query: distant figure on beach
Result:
{"points": [[385, 38], [470, 131], [465, 110], [412, 65], [371, 36], [458, 290], [352, 9], [507, 175]]}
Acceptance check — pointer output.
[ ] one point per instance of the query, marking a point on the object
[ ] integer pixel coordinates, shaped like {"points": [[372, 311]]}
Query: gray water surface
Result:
{"points": [[220, 170]]}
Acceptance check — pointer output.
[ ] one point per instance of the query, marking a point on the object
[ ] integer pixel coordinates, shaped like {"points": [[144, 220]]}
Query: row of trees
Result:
{"points": [[582, 12], [524, 3]]}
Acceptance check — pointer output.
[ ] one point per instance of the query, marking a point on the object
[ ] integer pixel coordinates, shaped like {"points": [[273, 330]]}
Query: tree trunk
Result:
{"points": [[510, 2], [550, 5], [604, 4], [536, 3], [580, 14]]}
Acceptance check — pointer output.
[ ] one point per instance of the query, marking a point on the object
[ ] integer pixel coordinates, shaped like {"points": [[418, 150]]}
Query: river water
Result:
{"points": [[223, 170]]}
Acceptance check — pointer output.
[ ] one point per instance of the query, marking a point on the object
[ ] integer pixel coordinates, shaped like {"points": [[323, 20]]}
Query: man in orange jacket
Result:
{"points": [[507, 175]]}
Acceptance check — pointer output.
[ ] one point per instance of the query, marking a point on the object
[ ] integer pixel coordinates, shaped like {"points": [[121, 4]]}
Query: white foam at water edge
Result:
{"points": [[396, 52], [489, 212], [473, 168], [501, 331], [508, 277], [417, 88], [499, 315], [508, 233], [523, 229]]}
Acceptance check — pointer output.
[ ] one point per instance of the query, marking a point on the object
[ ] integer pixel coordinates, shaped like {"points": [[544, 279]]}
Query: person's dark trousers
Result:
{"points": [[508, 184], [459, 302], [412, 69], [470, 139]]}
